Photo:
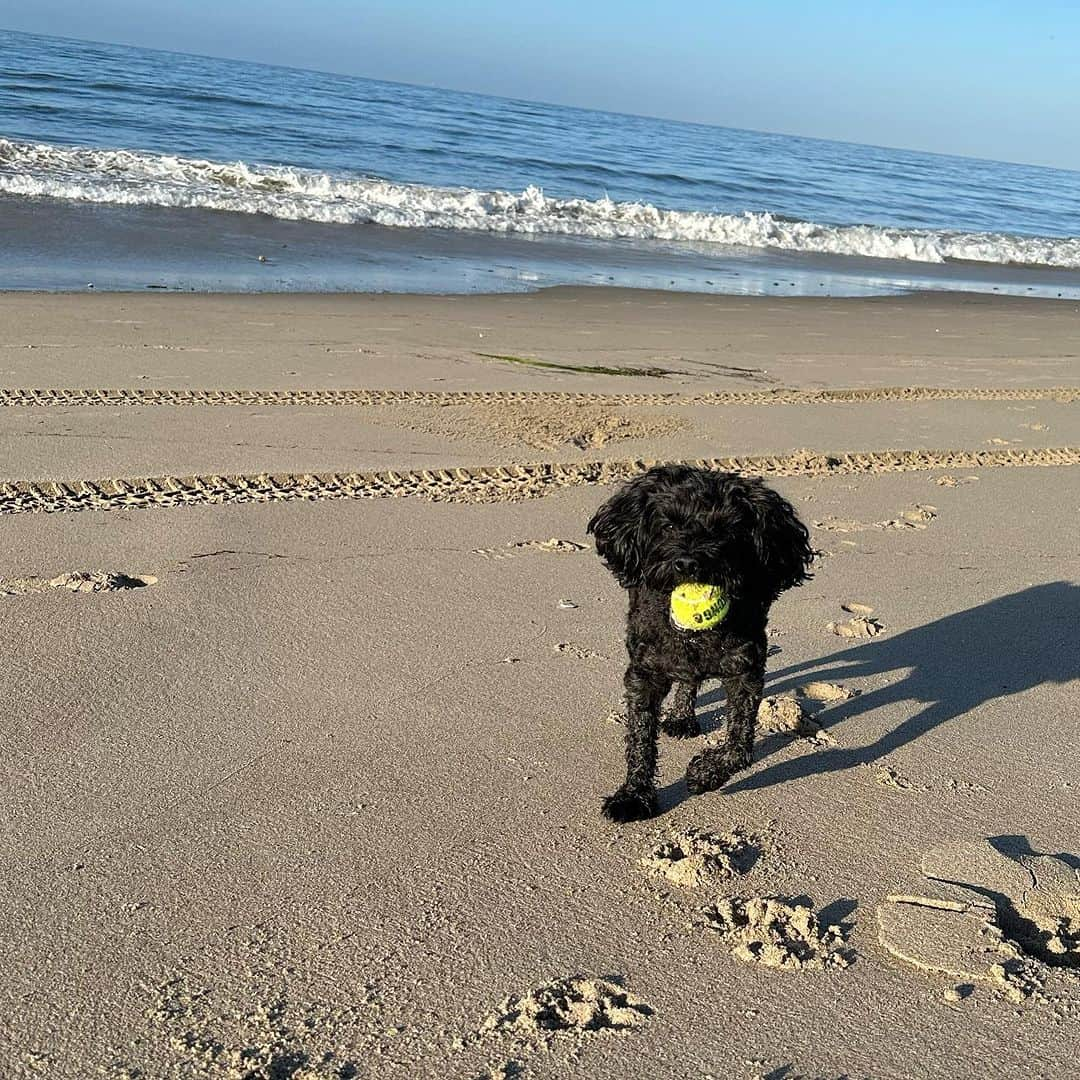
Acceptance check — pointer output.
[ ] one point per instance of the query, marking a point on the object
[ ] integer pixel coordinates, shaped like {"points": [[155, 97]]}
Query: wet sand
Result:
{"points": [[61, 244]]}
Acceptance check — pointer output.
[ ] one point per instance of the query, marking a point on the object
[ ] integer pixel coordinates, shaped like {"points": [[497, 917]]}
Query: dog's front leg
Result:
{"points": [[712, 768], [636, 799], [679, 719]]}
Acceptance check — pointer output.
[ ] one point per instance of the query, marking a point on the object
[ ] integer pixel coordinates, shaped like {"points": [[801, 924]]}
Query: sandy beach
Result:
{"points": [[303, 774]]}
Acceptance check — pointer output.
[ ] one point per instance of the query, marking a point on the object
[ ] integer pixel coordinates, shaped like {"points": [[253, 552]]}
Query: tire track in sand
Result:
{"points": [[14, 397], [492, 483]]}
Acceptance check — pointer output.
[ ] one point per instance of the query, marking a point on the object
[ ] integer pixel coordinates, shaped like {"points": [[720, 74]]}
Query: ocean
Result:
{"points": [[127, 168]]}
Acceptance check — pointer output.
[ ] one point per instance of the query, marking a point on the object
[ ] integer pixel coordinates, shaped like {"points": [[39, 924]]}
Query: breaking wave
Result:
{"points": [[144, 179]]}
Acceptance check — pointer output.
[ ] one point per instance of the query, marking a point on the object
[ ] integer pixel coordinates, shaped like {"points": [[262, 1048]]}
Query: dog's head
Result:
{"points": [[676, 524]]}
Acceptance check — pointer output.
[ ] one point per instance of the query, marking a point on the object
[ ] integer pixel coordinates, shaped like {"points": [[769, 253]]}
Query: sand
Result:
{"points": [[694, 858], [320, 798], [785, 715], [78, 581], [774, 933], [1008, 917]]}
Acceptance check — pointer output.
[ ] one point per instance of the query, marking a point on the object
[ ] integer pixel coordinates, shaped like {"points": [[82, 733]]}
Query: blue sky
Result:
{"points": [[989, 78]]}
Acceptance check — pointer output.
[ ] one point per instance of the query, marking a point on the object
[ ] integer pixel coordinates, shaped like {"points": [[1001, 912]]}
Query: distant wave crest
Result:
{"points": [[143, 179]]}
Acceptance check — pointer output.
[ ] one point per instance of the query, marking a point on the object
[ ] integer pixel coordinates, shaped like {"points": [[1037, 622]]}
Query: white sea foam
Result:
{"points": [[143, 179]]}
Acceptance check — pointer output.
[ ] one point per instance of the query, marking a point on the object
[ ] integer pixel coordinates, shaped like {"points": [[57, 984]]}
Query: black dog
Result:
{"points": [[668, 527]]}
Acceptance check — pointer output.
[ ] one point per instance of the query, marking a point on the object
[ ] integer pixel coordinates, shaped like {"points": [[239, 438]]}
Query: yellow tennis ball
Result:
{"points": [[695, 606]]}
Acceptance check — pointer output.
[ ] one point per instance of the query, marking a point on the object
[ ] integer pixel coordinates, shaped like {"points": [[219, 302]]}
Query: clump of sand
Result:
{"points": [[862, 624], [692, 857], [577, 1005], [1004, 919], [859, 626], [78, 581], [784, 715], [853, 607], [541, 426], [775, 933], [824, 693]]}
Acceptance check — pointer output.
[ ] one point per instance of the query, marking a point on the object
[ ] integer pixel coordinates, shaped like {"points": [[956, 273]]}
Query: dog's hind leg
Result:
{"points": [[679, 719], [713, 768], [636, 799]]}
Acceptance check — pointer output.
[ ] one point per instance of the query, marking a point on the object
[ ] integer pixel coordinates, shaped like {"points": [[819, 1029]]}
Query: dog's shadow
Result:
{"points": [[948, 667]]}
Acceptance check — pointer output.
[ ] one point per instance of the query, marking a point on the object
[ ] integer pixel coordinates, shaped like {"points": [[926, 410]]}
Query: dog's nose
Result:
{"points": [[685, 567]]}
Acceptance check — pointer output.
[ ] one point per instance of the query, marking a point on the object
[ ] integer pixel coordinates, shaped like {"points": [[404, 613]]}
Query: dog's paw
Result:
{"points": [[626, 805], [679, 725], [712, 769]]}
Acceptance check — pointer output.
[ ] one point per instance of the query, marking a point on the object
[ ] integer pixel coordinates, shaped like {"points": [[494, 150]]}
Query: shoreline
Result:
{"points": [[538, 290], [56, 245]]}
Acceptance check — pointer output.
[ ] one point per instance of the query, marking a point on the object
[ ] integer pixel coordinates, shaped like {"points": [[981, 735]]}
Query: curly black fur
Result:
{"points": [[672, 525]]}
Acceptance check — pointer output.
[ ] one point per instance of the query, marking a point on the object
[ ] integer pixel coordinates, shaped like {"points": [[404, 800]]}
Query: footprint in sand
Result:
{"points": [[772, 932], [538, 425], [578, 652], [918, 516], [765, 930], [844, 525], [577, 1007], [860, 625], [693, 858], [1006, 918], [253, 1023], [887, 777], [80, 581], [554, 544]]}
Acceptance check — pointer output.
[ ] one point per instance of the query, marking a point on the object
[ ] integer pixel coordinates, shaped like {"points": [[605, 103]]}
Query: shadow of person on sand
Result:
{"points": [[950, 666]]}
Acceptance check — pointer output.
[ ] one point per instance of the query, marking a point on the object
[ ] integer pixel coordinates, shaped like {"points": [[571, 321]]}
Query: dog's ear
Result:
{"points": [[781, 540], [619, 527]]}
